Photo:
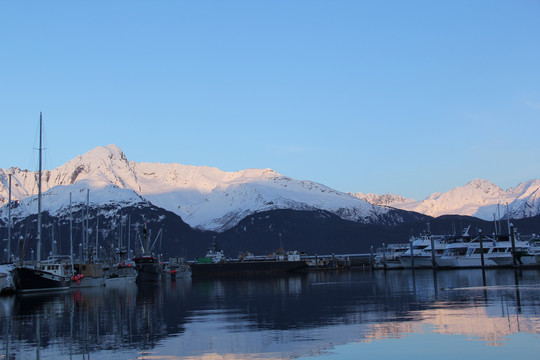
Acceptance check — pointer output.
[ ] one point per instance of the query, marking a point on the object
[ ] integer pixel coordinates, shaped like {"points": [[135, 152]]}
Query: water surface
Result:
{"points": [[323, 315]]}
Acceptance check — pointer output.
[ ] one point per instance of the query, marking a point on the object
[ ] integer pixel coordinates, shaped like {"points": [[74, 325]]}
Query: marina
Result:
{"points": [[458, 252]]}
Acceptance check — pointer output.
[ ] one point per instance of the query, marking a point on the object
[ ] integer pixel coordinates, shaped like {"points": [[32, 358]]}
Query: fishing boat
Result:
{"points": [[120, 269], [89, 270], [214, 264], [49, 275], [88, 275], [147, 264], [120, 274], [175, 268]]}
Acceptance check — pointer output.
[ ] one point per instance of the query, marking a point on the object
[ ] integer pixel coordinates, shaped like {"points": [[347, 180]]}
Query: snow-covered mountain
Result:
{"points": [[383, 200], [204, 197], [479, 198]]}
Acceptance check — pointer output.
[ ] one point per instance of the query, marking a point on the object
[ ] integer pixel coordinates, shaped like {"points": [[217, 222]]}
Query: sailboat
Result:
{"points": [[46, 275]]}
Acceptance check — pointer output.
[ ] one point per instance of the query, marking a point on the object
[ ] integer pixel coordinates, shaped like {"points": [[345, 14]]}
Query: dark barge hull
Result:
{"points": [[148, 269], [243, 268], [34, 280]]}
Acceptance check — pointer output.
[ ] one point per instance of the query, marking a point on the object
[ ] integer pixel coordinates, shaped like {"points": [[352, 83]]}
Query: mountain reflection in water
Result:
{"points": [[269, 318]]}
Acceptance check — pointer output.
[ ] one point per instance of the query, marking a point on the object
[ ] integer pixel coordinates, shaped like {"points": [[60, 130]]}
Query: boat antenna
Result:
{"points": [[39, 191]]}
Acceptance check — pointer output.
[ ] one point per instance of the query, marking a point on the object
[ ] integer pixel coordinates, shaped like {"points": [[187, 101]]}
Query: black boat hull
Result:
{"points": [[148, 269], [243, 268], [35, 280]]}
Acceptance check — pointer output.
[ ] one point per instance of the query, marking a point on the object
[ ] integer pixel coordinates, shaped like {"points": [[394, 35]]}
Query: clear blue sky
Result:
{"points": [[406, 97]]}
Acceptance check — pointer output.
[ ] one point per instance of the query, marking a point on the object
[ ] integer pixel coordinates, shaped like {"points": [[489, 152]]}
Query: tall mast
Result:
{"points": [[71, 234], [128, 238], [39, 191], [87, 230], [96, 250], [9, 222]]}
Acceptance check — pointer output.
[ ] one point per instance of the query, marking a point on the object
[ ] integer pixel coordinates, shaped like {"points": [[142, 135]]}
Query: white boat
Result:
{"points": [[6, 281], [532, 256], [452, 252], [502, 253], [423, 254], [473, 256], [495, 253], [388, 256]]}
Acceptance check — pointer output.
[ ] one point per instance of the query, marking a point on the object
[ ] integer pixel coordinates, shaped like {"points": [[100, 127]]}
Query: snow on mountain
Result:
{"points": [[479, 198], [527, 199], [56, 200], [204, 197], [383, 200], [463, 200]]}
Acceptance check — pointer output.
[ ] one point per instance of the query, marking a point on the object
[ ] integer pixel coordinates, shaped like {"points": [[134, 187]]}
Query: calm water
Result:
{"points": [[326, 315]]}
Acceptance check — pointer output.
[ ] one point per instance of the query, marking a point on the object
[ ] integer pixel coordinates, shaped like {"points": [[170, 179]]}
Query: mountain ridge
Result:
{"points": [[204, 197], [208, 198], [479, 198]]}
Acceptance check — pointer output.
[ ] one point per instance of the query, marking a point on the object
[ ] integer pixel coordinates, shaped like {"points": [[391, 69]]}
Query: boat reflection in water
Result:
{"points": [[292, 316]]}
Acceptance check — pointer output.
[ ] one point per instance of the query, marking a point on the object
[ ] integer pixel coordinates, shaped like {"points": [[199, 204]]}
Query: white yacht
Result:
{"points": [[388, 256], [423, 254], [532, 256], [502, 252], [496, 253]]}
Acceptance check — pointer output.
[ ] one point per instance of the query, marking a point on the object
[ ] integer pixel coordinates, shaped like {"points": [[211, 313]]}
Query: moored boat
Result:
{"points": [[6, 280], [387, 257], [148, 268], [532, 255], [175, 268], [44, 276], [216, 265], [50, 275], [121, 274], [88, 275], [426, 251], [148, 265]]}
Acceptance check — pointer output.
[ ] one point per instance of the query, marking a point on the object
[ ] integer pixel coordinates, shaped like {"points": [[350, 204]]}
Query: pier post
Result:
{"points": [[412, 254], [371, 258], [513, 239], [481, 247], [384, 256], [433, 261]]}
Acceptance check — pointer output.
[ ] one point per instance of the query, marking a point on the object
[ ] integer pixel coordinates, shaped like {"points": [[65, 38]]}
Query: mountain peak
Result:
{"points": [[481, 184], [110, 152]]}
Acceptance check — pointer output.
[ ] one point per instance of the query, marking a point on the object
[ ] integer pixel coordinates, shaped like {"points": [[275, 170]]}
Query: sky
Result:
{"points": [[401, 97]]}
